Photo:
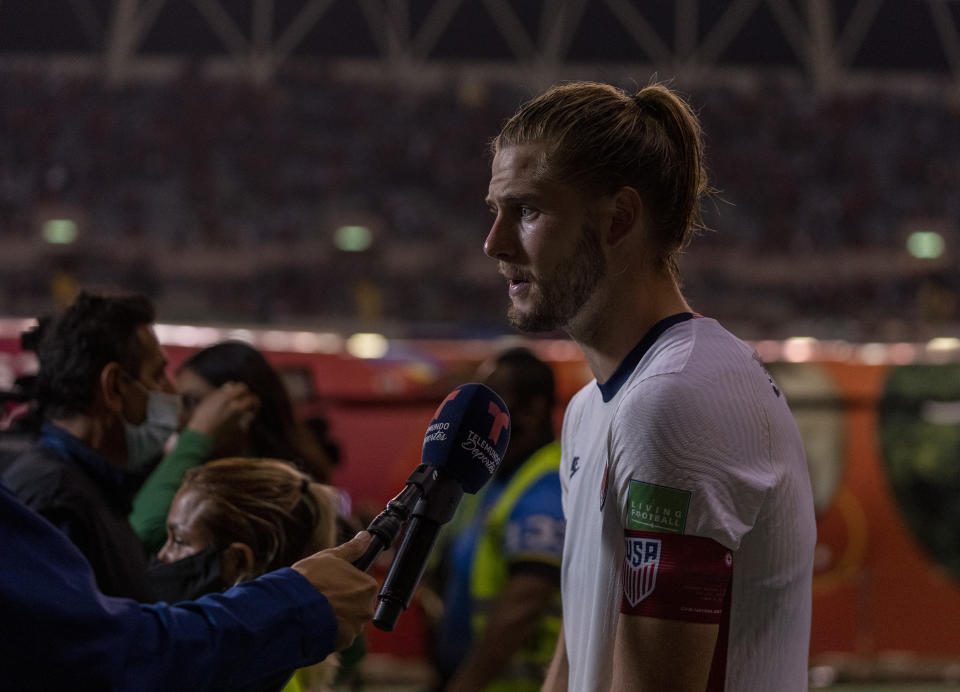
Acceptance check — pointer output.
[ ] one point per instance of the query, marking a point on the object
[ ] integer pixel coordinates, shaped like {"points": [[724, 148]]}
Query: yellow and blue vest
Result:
{"points": [[490, 571]]}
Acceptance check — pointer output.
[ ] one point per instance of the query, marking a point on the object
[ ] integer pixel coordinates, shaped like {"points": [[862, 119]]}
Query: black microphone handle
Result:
{"points": [[432, 511], [405, 572]]}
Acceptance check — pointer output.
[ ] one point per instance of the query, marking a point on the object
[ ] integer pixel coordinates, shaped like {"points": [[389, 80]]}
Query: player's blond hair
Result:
{"points": [[600, 139]]}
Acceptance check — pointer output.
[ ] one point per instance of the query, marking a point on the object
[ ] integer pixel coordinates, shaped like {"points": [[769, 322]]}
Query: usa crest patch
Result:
{"points": [[640, 566]]}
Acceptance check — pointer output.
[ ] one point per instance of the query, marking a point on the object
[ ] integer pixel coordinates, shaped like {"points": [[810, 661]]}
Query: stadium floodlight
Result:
{"points": [[944, 344], [368, 345], [353, 238], [926, 244], [60, 231], [800, 349]]}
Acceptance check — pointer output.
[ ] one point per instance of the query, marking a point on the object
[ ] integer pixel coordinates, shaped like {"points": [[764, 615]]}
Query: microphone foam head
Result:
{"points": [[468, 435]]}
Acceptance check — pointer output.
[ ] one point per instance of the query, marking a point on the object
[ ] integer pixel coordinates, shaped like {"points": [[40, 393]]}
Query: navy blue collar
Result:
{"points": [[609, 389], [114, 482]]}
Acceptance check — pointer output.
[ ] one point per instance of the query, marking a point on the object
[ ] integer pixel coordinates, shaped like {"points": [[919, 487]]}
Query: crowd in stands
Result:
{"points": [[220, 198]]}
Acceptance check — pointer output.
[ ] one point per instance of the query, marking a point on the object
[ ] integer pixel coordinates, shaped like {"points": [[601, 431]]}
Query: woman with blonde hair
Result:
{"points": [[235, 519]]}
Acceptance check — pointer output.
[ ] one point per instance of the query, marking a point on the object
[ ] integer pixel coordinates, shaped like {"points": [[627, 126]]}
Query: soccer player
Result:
{"points": [[688, 556]]}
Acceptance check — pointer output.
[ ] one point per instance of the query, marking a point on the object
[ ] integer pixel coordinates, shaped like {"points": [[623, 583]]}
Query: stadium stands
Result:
{"points": [[221, 200]]}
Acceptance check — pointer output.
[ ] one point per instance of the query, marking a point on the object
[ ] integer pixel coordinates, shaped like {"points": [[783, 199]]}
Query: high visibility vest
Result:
{"points": [[489, 574]]}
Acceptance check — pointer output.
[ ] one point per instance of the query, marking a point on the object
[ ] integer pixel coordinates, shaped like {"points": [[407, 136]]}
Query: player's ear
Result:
{"points": [[626, 216]]}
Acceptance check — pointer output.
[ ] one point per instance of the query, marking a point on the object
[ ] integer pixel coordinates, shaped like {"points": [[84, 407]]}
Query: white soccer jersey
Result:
{"points": [[691, 437]]}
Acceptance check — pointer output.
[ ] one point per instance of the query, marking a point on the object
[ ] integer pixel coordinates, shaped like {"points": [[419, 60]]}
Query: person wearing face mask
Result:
{"points": [[108, 408], [235, 404], [235, 519]]}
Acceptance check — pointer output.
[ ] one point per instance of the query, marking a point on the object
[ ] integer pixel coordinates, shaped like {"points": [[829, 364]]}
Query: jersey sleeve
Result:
{"points": [[689, 478], [689, 462]]}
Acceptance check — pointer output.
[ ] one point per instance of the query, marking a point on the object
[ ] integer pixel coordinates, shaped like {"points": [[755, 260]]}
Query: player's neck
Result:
{"points": [[619, 325]]}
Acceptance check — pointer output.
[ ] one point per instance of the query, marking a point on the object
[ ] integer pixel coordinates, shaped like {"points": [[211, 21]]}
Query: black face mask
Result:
{"points": [[187, 578]]}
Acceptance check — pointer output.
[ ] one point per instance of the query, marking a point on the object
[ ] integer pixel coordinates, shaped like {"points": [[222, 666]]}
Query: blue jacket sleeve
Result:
{"points": [[59, 632]]}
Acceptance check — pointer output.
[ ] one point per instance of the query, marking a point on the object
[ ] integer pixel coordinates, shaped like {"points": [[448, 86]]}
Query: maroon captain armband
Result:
{"points": [[675, 577]]}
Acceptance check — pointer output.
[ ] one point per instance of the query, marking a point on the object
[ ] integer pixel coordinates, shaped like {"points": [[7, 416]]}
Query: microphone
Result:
{"points": [[462, 449]]}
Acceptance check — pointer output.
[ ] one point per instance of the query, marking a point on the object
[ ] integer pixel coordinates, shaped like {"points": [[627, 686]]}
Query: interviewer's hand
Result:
{"points": [[352, 593]]}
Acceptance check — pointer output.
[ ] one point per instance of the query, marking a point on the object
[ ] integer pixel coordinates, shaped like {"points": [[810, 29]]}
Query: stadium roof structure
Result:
{"points": [[831, 43]]}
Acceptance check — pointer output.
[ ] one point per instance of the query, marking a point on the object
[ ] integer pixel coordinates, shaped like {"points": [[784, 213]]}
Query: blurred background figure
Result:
{"points": [[109, 408], [319, 429], [273, 432], [234, 404], [501, 595], [20, 416], [235, 519]]}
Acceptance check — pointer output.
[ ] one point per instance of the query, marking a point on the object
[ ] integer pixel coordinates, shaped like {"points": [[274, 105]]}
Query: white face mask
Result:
{"points": [[145, 441]]}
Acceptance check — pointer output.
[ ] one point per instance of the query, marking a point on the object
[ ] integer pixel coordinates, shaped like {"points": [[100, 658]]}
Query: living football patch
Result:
{"points": [[675, 577], [657, 508]]}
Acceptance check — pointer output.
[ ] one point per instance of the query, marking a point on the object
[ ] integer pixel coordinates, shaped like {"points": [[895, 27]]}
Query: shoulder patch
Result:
{"points": [[657, 508]]}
